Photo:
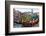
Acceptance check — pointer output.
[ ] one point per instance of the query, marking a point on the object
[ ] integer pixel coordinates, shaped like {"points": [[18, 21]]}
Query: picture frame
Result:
{"points": [[10, 6]]}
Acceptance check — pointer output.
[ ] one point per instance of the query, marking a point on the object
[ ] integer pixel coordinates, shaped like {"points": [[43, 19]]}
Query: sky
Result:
{"points": [[27, 9]]}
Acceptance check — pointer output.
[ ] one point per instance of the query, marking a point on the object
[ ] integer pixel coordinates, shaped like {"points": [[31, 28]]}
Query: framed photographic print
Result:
{"points": [[24, 17]]}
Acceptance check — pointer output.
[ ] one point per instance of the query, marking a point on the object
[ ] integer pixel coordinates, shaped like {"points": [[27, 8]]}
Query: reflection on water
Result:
{"points": [[17, 25], [20, 25]]}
